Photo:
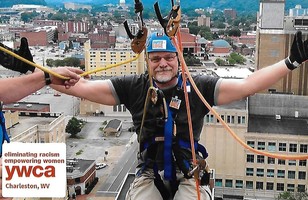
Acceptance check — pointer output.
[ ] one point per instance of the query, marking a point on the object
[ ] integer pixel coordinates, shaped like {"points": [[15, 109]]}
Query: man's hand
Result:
{"points": [[298, 53], [70, 72], [12, 63]]}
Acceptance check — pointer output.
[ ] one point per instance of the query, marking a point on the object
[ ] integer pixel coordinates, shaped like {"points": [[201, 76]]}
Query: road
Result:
{"points": [[126, 164]]}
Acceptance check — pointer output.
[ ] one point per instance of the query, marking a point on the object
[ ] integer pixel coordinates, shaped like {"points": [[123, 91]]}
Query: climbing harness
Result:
{"points": [[171, 22], [138, 40]]}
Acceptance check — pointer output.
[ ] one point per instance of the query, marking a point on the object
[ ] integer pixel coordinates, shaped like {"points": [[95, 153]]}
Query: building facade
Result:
{"points": [[267, 122]]}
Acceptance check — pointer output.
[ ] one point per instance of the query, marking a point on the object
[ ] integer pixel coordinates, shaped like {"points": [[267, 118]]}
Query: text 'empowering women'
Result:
{"points": [[34, 170]]}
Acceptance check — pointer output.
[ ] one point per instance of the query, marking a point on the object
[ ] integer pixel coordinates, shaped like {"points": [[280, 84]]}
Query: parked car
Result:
{"points": [[100, 166]]}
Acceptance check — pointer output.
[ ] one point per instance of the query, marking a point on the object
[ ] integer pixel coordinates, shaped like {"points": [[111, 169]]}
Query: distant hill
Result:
{"points": [[10, 3], [238, 5]]}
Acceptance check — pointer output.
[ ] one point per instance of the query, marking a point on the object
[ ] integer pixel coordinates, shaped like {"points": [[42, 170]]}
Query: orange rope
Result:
{"points": [[191, 136], [226, 126]]}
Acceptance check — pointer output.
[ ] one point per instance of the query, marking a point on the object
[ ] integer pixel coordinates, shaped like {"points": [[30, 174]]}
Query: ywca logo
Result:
{"points": [[34, 170], [29, 171]]}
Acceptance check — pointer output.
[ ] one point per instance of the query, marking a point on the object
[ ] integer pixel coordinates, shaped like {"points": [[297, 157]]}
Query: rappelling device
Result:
{"points": [[138, 40]]}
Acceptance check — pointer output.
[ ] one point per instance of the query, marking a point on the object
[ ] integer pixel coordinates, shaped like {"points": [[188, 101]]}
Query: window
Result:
{"points": [[291, 174], [77, 180], [218, 182], [280, 187], [259, 185], [270, 173], [250, 158], [281, 174], [222, 117], [260, 172], [274, 53], [209, 118], [271, 146], [114, 108], [302, 175], [228, 183], [251, 144], [249, 171], [281, 162], [269, 186], [261, 145], [301, 188], [292, 162], [241, 120], [230, 119], [238, 184], [293, 148], [249, 185], [260, 159], [290, 187], [271, 160], [302, 163], [303, 148], [282, 147]]}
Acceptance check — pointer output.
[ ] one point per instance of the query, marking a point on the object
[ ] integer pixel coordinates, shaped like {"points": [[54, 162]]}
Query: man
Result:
{"points": [[14, 89], [164, 170]]}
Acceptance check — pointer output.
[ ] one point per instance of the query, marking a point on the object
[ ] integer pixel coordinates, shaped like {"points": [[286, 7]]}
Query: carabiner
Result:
{"points": [[138, 40], [171, 22]]}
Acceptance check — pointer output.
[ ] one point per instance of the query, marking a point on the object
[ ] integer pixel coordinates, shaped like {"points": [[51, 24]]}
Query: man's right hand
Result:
{"points": [[12, 63], [71, 72]]}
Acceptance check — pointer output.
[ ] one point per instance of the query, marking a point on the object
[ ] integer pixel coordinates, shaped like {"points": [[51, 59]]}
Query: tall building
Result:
{"points": [[100, 58], [275, 34], [273, 123], [204, 21]]}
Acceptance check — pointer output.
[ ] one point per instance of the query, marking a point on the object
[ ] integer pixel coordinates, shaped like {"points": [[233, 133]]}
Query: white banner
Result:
{"points": [[34, 169]]}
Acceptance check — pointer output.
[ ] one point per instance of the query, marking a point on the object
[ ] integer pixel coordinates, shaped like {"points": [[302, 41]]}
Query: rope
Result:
{"points": [[59, 75], [191, 136], [227, 127]]}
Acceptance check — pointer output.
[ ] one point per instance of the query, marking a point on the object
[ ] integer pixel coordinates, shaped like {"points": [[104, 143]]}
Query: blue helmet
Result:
{"points": [[158, 43]]}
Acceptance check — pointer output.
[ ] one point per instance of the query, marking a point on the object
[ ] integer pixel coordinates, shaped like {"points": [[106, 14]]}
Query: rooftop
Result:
{"points": [[285, 125]]}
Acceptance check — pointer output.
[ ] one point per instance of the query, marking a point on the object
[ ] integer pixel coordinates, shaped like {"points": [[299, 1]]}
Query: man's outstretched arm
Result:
{"points": [[230, 90]]}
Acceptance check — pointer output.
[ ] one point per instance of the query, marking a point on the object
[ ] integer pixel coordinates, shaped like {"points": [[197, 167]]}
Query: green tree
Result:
{"points": [[28, 16], [73, 126], [237, 58], [293, 196], [191, 60], [49, 62], [75, 62], [234, 32], [220, 62]]}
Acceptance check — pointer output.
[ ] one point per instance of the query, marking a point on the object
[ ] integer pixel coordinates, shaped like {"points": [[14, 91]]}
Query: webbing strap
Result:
{"points": [[198, 147], [168, 146], [3, 133]]}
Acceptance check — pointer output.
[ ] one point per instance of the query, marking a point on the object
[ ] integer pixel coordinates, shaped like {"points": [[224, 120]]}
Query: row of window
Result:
{"points": [[282, 146], [250, 158], [112, 52], [119, 108], [261, 185], [230, 119], [270, 173]]}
